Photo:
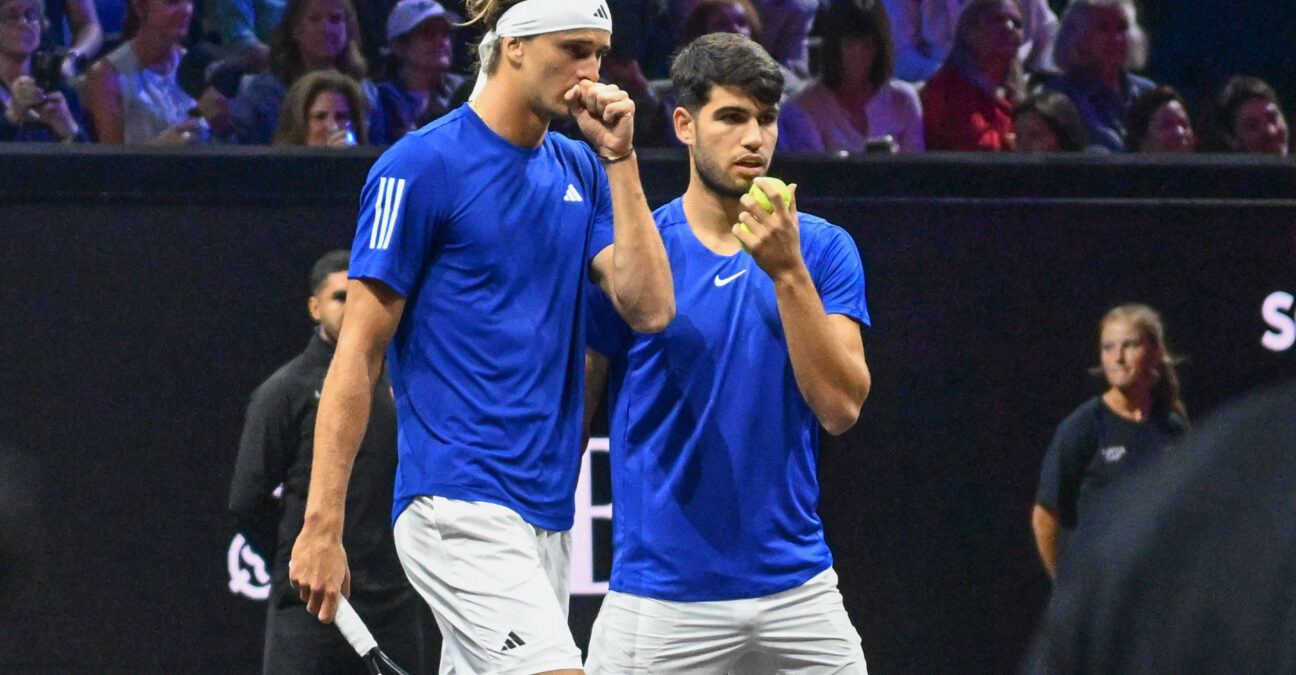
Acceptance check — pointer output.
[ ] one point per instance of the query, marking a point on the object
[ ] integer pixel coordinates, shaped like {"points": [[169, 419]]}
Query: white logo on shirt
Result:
{"points": [[1113, 453], [725, 281], [391, 191], [572, 195]]}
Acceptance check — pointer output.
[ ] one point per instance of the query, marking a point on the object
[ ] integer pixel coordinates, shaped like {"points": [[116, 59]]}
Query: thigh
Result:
{"points": [[805, 630], [479, 566], [634, 634]]}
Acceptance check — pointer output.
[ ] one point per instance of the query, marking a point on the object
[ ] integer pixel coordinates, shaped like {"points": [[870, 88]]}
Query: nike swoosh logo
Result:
{"points": [[725, 281]]}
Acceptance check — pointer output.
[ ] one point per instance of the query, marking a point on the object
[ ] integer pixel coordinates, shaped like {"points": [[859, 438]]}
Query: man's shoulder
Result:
{"points": [[287, 382]]}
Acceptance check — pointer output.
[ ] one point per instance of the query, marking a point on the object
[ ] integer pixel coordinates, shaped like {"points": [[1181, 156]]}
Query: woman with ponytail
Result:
{"points": [[1111, 436]]}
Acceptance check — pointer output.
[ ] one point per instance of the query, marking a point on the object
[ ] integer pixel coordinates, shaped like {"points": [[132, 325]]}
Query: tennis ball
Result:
{"points": [[763, 199]]}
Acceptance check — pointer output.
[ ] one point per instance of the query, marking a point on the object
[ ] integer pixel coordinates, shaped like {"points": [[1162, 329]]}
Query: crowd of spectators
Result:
{"points": [[862, 75]]}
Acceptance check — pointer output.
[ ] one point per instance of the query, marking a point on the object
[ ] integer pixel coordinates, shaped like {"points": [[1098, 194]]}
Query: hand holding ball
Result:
{"points": [[762, 199]]}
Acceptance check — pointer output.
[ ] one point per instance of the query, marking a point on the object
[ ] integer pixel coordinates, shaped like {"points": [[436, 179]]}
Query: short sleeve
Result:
{"points": [[601, 234], [1064, 465], [605, 331], [839, 276], [401, 206]]}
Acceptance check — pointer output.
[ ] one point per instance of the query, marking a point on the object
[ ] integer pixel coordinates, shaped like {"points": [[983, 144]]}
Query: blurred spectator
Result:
{"points": [[246, 29], [925, 32], [784, 29], [420, 89], [967, 104], [642, 31], [1251, 118], [1048, 122], [314, 35], [1158, 122], [721, 16], [73, 30], [133, 93], [856, 98], [38, 105], [1099, 43], [323, 109]]}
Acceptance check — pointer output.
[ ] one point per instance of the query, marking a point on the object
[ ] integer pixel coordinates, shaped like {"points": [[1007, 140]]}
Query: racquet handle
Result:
{"points": [[353, 629]]}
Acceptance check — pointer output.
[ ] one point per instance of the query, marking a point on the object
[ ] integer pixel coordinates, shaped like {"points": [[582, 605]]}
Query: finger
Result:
{"points": [[744, 235], [751, 220], [617, 110], [328, 608], [346, 583], [751, 208], [792, 188]]}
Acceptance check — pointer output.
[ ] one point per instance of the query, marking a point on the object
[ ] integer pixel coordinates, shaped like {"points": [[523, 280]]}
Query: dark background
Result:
{"points": [[146, 294]]}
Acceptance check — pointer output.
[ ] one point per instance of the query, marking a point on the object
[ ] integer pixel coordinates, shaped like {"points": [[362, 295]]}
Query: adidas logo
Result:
{"points": [[572, 195], [513, 641], [601, 12]]}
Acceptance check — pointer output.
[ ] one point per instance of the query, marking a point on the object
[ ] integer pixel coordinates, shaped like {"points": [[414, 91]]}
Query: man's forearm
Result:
{"points": [[832, 376], [641, 282], [343, 415]]}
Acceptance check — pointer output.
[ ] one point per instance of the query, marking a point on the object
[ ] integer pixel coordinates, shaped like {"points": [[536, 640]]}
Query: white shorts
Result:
{"points": [[497, 585], [800, 630]]}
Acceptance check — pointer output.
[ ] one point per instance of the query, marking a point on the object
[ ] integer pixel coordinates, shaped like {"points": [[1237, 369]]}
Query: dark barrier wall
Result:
{"points": [[145, 295]]}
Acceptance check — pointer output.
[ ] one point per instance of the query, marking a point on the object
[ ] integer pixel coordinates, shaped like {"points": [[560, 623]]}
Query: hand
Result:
{"points": [[26, 95], [215, 108], [318, 570], [774, 239], [69, 65], [605, 115], [338, 139], [177, 134], [55, 114]]}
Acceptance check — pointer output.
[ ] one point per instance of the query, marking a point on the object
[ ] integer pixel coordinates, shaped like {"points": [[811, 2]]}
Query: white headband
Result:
{"points": [[537, 17]]}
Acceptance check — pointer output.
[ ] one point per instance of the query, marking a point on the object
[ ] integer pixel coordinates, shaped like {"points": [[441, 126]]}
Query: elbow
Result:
{"points": [[654, 321], [841, 418]]}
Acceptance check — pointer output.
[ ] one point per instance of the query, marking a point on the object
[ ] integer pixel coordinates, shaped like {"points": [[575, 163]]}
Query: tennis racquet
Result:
{"points": [[357, 633]]}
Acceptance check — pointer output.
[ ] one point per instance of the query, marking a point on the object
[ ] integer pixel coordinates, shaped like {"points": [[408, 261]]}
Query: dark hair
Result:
{"points": [[1239, 90], [857, 19], [1148, 323], [726, 60], [1060, 114], [291, 127], [1139, 116], [695, 23], [337, 260], [285, 52]]}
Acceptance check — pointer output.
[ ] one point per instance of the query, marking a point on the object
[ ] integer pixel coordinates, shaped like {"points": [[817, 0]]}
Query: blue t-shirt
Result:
{"points": [[713, 447], [489, 243]]}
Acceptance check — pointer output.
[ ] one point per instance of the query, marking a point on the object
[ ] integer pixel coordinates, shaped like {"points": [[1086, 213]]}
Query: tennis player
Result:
{"points": [[477, 234], [719, 559]]}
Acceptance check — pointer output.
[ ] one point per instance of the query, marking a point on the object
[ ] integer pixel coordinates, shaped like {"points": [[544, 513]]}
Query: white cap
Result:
{"points": [[408, 14]]}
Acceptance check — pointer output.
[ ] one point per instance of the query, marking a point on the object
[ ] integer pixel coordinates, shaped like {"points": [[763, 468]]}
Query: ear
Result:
{"points": [[512, 49], [313, 307], [684, 127]]}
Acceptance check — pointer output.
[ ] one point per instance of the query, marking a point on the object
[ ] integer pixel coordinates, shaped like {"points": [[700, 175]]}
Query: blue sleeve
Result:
{"points": [[401, 206], [839, 275], [601, 231], [605, 331]]}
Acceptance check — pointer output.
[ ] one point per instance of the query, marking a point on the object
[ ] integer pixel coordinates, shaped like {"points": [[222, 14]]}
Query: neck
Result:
{"points": [[13, 66], [1132, 404], [855, 93], [711, 215], [505, 110], [994, 68], [419, 79], [152, 49]]}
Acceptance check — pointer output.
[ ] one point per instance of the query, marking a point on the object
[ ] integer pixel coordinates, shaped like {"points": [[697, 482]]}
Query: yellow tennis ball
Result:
{"points": [[763, 199]]}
